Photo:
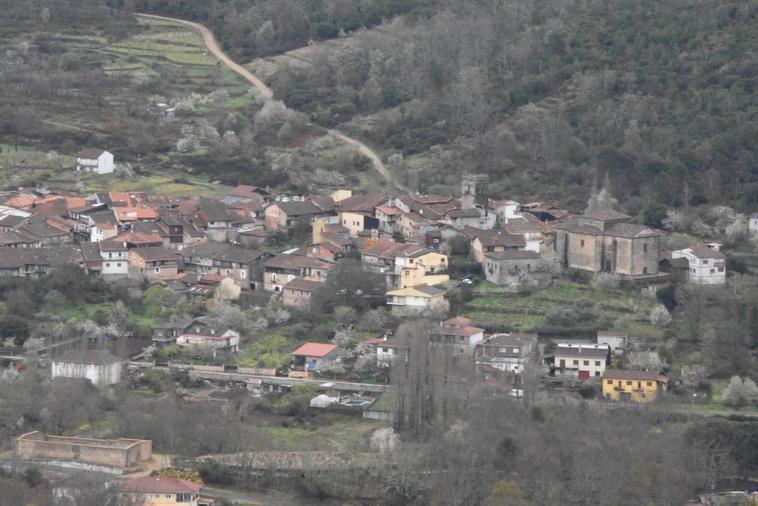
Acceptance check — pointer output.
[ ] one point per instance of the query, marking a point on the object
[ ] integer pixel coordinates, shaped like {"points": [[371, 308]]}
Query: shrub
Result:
{"points": [[740, 392]]}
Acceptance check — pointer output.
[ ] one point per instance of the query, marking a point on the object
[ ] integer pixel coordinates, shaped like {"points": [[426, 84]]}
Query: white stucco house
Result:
{"points": [[100, 367], [94, 160], [115, 258], [753, 224], [707, 266]]}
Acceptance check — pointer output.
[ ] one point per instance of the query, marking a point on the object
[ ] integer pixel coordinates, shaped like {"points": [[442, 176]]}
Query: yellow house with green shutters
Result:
{"points": [[635, 386]]}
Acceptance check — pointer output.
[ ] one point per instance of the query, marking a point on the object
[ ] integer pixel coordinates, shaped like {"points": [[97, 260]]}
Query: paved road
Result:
{"points": [[214, 47]]}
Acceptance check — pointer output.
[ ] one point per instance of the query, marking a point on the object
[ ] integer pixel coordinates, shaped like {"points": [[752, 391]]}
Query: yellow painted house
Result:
{"points": [[635, 386], [423, 268], [161, 491]]}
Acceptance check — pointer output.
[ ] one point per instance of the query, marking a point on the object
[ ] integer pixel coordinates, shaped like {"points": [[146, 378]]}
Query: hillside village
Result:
{"points": [[369, 252], [415, 250], [395, 256]]}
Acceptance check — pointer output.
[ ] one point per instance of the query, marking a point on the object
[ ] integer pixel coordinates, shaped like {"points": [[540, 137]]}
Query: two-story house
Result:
{"points": [[706, 266], [94, 160], [115, 258], [635, 386], [584, 361], [492, 241], [415, 299], [283, 268], [458, 333], [284, 215], [753, 224], [153, 263], [241, 264], [510, 353]]}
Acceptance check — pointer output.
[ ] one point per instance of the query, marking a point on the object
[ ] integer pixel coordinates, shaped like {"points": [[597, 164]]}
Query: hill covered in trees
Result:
{"points": [[542, 95]]}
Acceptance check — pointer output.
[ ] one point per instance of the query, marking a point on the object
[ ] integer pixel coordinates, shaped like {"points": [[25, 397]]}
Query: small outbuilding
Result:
{"points": [[101, 367]]}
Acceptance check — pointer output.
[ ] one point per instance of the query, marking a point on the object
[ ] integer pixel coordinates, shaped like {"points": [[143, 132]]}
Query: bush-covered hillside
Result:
{"points": [[544, 94]]}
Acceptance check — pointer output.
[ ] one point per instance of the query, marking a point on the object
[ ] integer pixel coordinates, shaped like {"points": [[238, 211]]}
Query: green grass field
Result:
{"points": [[495, 307]]}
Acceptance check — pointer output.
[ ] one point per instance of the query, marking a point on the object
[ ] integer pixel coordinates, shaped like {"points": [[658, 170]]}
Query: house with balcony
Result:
{"points": [[634, 386], [243, 265], [405, 265]]}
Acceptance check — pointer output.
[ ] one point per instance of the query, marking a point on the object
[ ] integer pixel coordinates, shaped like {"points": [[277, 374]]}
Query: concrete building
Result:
{"points": [[100, 367], [706, 266], [94, 160], [507, 352], [584, 361], [604, 242], [115, 260], [118, 453]]}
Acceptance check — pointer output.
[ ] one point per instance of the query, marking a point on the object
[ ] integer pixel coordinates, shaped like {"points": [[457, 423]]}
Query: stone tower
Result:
{"points": [[472, 190]]}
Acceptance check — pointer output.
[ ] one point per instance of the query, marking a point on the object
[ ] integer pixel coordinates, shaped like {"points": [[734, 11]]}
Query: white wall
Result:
{"points": [[99, 375], [703, 271], [105, 163]]}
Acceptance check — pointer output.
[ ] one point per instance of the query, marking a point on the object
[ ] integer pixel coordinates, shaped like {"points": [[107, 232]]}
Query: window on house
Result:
{"points": [[609, 382], [576, 362], [721, 269], [629, 383], [713, 271], [597, 373], [107, 264], [157, 269], [597, 363], [705, 262], [649, 383], [581, 243], [644, 248], [586, 362], [118, 264]]}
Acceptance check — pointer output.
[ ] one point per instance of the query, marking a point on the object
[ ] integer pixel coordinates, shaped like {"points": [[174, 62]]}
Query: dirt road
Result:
{"points": [[213, 46]]}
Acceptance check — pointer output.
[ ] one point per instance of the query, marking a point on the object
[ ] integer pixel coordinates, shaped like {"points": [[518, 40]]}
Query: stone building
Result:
{"points": [[118, 453], [101, 367], [518, 269], [603, 241]]}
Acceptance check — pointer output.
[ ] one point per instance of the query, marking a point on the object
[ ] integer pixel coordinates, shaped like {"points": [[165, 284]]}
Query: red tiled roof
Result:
{"points": [[315, 349]]}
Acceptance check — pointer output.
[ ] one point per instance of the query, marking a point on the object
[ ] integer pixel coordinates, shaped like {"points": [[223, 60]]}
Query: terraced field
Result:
{"points": [[496, 309]]}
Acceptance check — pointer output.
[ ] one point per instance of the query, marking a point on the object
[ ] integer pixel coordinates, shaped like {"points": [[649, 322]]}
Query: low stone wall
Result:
{"points": [[105, 452]]}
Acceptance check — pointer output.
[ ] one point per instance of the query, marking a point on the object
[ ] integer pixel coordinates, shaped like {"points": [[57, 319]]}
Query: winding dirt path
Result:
{"points": [[214, 47]]}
